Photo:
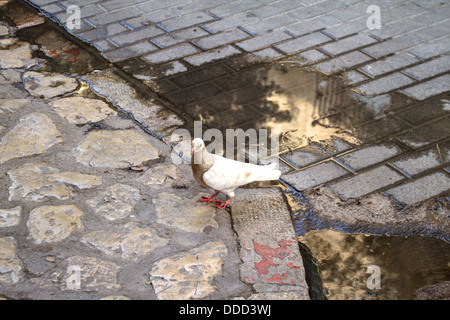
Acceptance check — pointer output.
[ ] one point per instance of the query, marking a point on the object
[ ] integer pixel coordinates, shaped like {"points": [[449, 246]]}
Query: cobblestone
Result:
{"points": [[421, 189], [347, 44], [262, 41], [223, 38], [368, 156], [303, 43], [342, 62], [215, 54], [430, 88], [385, 84], [418, 162], [315, 175], [391, 63], [430, 68], [171, 53], [366, 182]]}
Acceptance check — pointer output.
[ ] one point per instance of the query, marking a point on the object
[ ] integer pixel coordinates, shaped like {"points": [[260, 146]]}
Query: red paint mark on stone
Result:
{"points": [[278, 277], [74, 52], [269, 254], [54, 53], [291, 266]]}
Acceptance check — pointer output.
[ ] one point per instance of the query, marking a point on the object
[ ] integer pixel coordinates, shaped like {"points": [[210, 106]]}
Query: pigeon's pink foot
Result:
{"points": [[223, 205], [208, 200]]}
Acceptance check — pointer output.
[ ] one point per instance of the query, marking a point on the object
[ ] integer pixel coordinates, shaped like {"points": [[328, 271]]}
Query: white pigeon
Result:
{"points": [[225, 175]]}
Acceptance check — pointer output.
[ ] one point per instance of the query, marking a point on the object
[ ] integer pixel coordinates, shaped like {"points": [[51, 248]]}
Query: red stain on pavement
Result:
{"points": [[278, 277], [291, 266], [269, 254]]}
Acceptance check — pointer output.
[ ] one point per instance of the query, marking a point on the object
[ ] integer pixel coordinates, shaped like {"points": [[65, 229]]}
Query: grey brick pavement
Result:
{"points": [[408, 56]]}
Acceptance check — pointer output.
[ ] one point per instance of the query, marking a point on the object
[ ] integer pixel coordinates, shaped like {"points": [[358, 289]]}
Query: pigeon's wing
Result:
{"points": [[227, 174]]}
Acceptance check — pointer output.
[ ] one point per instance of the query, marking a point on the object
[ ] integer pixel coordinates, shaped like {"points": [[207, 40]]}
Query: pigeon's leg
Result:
{"points": [[208, 200], [224, 204]]}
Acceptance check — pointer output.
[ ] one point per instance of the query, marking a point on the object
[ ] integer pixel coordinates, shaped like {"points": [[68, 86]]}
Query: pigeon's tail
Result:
{"points": [[269, 172]]}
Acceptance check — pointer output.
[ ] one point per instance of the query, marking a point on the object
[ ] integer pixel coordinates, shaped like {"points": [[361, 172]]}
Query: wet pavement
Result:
{"points": [[94, 207]]}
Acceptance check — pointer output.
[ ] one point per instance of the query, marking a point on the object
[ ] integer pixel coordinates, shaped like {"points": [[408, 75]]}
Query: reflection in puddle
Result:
{"points": [[406, 264]]}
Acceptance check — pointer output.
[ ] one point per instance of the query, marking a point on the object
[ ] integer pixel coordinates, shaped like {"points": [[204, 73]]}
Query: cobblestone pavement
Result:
{"points": [[127, 222]]}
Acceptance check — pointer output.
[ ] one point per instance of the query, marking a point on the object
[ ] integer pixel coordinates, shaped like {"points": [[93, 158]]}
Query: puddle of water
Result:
{"points": [[405, 263], [62, 55]]}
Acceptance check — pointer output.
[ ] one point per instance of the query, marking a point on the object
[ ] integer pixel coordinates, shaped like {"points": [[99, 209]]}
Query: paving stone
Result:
{"points": [[432, 49], [272, 9], [51, 224], [384, 84], [12, 105], [303, 43], [430, 68], [10, 217], [48, 84], [315, 175], [184, 214], [80, 110], [348, 44], [316, 9], [18, 56], [10, 264], [116, 202], [212, 55], [421, 189], [150, 6], [163, 174], [308, 57], [114, 149], [148, 112], [4, 30], [95, 274], [366, 182], [178, 37], [34, 134], [426, 111], [171, 53], [186, 21], [272, 23], [378, 129], [220, 39], [137, 35], [189, 275], [342, 62], [304, 156], [370, 155], [430, 88], [271, 260], [389, 64], [354, 77], [151, 17], [38, 182], [236, 7], [262, 41], [231, 22], [424, 135], [347, 27], [134, 50], [12, 75], [392, 46], [115, 16], [418, 162], [131, 241], [311, 25]]}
